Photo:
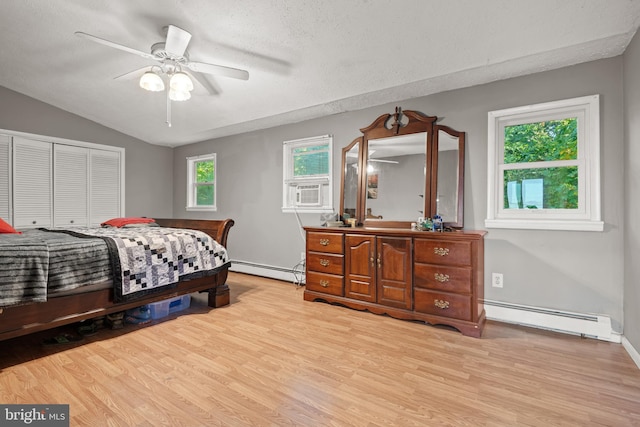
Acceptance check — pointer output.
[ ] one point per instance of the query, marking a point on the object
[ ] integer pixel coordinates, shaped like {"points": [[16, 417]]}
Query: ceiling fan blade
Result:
{"points": [[177, 40], [205, 83], [115, 45], [135, 74], [218, 70]]}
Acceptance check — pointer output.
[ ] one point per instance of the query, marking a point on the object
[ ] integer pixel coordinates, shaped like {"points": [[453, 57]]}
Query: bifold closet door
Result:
{"points": [[32, 183]]}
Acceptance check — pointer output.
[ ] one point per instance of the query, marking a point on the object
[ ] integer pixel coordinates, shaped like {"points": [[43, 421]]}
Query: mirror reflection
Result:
{"points": [[395, 175], [447, 189]]}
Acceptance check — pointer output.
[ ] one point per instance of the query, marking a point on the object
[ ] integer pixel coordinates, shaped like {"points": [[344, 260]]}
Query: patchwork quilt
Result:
{"points": [[147, 258]]}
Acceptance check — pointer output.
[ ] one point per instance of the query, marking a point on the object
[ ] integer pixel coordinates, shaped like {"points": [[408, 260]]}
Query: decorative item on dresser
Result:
{"points": [[385, 265]]}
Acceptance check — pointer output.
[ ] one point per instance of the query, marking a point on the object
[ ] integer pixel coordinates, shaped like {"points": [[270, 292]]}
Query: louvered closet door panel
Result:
{"points": [[70, 186], [31, 183], [5, 178], [105, 185]]}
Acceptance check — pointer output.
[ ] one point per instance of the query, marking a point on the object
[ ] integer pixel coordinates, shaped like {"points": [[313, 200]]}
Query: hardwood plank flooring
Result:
{"points": [[272, 359]]}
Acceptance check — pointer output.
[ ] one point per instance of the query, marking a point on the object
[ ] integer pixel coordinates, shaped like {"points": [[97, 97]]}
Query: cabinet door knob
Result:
{"points": [[324, 262], [33, 222], [441, 277], [441, 251], [441, 304], [324, 283]]}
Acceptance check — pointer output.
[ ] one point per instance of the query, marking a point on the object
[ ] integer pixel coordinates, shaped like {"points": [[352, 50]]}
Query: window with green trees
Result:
{"points": [[551, 144], [201, 182], [544, 166], [307, 175]]}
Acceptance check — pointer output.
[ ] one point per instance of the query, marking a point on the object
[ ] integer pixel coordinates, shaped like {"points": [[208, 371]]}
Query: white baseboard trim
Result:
{"points": [[572, 323], [293, 275], [635, 356]]}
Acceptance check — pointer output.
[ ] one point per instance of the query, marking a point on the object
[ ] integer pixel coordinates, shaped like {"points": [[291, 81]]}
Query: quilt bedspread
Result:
{"points": [[147, 258]]}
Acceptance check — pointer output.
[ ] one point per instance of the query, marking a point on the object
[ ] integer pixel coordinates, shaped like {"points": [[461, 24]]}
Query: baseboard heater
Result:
{"points": [[294, 275], [588, 325]]}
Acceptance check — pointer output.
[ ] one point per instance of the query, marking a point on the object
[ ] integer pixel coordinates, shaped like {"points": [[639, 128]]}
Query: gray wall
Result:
{"points": [[563, 270], [148, 173], [631, 195]]}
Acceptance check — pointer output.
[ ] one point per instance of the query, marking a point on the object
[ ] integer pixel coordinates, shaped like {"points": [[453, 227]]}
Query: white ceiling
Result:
{"points": [[306, 58]]}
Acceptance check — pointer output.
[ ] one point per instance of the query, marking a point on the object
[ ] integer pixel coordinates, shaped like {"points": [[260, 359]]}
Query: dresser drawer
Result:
{"points": [[325, 242], [443, 304], [325, 283], [325, 263], [432, 251], [449, 279]]}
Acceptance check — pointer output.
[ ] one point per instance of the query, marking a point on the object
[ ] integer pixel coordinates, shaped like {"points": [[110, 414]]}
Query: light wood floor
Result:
{"points": [[272, 359]]}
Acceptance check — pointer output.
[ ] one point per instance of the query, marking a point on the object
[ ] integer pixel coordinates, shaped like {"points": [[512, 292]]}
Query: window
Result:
{"points": [[544, 166], [201, 191], [307, 175]]}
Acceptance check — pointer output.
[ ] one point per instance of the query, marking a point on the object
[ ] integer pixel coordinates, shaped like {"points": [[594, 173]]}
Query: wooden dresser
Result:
{"points": [[433, 277]]}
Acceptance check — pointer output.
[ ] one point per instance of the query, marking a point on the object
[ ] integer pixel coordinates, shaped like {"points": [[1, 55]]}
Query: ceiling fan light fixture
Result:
{"points": [[151, 81], [179, 95], [181, 82]]}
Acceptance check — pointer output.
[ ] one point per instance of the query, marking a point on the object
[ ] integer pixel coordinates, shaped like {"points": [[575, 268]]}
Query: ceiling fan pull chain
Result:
{"points": [[168, 110]]}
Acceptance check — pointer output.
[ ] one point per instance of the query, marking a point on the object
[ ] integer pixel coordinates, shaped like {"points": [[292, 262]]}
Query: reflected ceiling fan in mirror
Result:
{"points": [[173, 66]]}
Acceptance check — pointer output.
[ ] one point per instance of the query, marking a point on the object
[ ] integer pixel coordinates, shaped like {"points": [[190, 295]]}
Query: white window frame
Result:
{"points": [[588, 215], [289, 182], [191, 182]]}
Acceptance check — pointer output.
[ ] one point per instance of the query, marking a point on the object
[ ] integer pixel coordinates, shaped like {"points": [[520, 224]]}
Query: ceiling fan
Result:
{"points": [[172, 60]]}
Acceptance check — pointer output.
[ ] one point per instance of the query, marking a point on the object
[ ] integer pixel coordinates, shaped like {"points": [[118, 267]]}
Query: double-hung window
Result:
{"points": [[307, 183], [201, 183], [544, 166]]}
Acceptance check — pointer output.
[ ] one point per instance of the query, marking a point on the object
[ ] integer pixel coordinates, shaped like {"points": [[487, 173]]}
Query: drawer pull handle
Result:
{"points": [[441, 277], [441, 304], [324, 283], [324, 242], [324, 262], [441, 251]]}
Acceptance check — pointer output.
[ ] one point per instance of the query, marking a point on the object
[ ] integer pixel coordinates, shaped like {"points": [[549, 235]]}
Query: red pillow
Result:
{"points": [[119, 222], [7, 229]]}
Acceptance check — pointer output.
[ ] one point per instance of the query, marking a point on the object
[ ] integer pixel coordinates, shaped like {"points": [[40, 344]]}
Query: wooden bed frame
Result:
{"points": [[57, 311]]}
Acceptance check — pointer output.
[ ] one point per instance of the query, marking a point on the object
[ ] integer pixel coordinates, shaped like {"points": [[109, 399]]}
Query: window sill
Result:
{"points": [[201, 208], [316, 209], [545, 224]]}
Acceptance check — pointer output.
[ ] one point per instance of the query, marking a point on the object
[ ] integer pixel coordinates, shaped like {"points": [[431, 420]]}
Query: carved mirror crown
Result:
{"points": [[404, 166]]}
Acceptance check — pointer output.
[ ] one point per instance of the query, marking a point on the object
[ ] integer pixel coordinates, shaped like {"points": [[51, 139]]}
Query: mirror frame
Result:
{"points": [[397, 124]]}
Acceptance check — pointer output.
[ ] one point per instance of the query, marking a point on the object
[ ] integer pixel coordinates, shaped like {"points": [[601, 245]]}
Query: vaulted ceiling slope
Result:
{"points": [[306, 58]]}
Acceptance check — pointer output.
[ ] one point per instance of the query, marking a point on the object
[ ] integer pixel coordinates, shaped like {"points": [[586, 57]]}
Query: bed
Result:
{"points": [[70, 303]]}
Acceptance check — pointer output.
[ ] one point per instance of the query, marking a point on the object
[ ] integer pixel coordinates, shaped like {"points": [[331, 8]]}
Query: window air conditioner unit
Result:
{"points": [[308, 195]]}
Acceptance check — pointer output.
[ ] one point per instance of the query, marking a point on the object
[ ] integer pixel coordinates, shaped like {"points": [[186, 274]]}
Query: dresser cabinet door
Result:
{"points": [[394, 271], [360, 279]]}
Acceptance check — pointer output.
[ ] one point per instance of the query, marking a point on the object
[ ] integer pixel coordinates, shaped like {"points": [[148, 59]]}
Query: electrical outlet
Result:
{"points": [[497, 280]]}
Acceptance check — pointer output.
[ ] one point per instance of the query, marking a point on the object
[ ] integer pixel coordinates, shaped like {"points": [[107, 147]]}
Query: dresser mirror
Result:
{"points": [[403, 167], [350, 178], [449, 189]]}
